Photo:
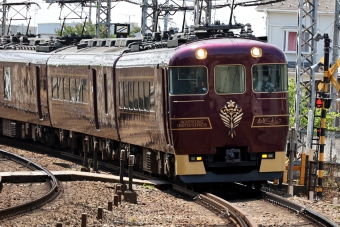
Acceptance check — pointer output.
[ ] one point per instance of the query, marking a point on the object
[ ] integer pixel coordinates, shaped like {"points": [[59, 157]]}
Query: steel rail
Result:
{"points": [[7, 212], [309, 213], [241, 215], [304, 211], [225, 208]]}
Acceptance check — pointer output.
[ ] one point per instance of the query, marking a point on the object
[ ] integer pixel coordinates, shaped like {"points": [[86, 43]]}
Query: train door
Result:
{"points": [[166, 111], [189, 109], [38, 82], [95, 98]]}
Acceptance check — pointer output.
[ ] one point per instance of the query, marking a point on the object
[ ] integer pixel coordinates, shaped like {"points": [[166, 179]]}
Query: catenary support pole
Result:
{"points": [[323, 114]]}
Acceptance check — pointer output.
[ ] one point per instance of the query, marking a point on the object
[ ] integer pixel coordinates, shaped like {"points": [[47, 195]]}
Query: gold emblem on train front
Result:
{"points": [[231, 116]]}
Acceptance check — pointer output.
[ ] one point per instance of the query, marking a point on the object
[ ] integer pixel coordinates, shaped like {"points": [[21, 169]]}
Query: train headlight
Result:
{"points": [[256, 52], [201, 53], [194, 158], [268, 156]]}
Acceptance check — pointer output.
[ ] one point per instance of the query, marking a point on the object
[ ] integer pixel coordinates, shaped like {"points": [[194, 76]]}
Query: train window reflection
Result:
{"points": [[141, 95], [73, 89], [60, 88], [270, 78], [77, 90], [188, 80], [229, 79], [126, 95], [135, 93], [67, 94], [7, 84], [130, 95], [121, 94], [152, 97], [54, 88], [146, 95], [84, 93]]}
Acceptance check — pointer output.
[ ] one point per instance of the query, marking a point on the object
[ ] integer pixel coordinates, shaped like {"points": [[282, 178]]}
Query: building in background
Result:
{"points": [[282, 26], [14, 29], [46, 30]]}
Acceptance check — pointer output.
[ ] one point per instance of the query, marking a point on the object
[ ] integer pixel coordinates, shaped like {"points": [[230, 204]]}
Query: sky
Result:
{"points": [[123, 12]]}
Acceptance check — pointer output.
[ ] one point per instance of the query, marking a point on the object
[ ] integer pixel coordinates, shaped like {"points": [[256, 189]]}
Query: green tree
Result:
{"points": [[330, 116], [134, 31], [90, 29]]}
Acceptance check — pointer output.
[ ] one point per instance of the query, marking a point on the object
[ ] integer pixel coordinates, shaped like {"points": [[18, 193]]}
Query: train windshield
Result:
{"points": [[270, 78], [188, 80], [229, 79]]}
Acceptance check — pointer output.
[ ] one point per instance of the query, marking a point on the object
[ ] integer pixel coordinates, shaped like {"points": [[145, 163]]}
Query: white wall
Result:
{"points": [[278, 22]]}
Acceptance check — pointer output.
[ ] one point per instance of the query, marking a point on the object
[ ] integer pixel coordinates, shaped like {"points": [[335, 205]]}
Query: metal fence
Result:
{"points": [[332, 147]]}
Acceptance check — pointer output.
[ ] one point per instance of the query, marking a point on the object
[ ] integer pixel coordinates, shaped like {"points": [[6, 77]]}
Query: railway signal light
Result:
{"points": [[327, 102], [318, 132], [318, 103]]}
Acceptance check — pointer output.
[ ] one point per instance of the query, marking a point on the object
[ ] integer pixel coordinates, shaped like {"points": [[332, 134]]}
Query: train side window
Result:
{"points": [[84, 91], [73, 90], [270, 78], [7, 84], [54, 87], [121, 94], [126, 95], [152, 97], [135, 93], [141, 95], [188, 80], [130, 95], [146, 95], [60, 89], [67, 89], [229, 79], [77, 90]]}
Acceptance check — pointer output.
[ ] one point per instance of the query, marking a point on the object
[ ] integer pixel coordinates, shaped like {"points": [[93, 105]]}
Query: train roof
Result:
{"points": [[155, 40]]}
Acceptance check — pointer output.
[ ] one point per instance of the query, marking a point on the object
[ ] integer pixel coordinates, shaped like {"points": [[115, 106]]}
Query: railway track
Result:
{"points": [[226, 210], [309, 214], [51, 194]]}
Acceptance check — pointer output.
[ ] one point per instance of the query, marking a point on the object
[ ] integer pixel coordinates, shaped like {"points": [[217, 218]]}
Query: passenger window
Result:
{"points": [[84, 91], [73, 90], [152, 97], [188, 80], [229, 79], [121, 94], [135, 92], [54, 87], [7, 84], [67, 89], [146, 95], [141, 95], [270, 78], [130, 95], [126, 95], [77, 90], [61, 89]]}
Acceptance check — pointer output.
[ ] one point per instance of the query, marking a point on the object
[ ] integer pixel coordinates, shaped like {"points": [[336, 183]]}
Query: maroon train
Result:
{"points": [[209, 110]]}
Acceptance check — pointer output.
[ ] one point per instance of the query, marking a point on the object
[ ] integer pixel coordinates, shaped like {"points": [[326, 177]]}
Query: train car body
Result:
{"points": [[212, 110], [23, 91], [224, 120]]}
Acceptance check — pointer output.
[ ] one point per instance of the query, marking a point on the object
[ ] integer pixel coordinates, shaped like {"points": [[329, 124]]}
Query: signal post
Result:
{"points": [[325, 97]]}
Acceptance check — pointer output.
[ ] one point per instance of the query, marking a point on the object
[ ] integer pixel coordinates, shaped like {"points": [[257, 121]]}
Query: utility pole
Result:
{"points": [[4, 18], [334, 93], [166, 17], [323, 114]]}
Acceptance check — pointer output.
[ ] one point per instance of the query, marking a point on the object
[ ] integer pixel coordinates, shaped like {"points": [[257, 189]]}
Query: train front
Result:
{"points": [[228, 111]]}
